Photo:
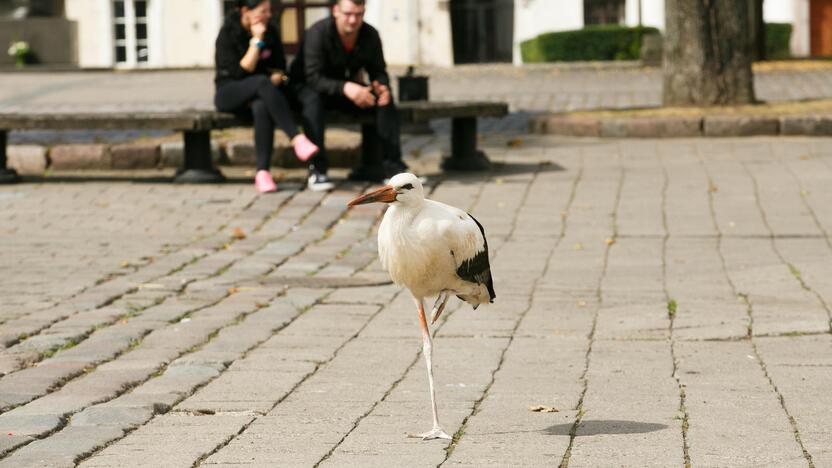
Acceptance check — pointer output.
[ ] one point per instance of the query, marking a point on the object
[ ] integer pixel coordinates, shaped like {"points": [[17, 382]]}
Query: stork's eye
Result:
{"points": [[407, 186]]}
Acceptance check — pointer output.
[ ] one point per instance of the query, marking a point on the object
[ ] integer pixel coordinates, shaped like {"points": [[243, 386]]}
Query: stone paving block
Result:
{"points": [[735, 416], [799, 367], [60, 450], [74, 157], [631, 407], [27, 159], [163, 441], [135, 156]]}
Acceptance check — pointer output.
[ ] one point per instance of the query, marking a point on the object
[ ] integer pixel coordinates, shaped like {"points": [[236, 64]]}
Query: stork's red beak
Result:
{"points": [[386, 194]]}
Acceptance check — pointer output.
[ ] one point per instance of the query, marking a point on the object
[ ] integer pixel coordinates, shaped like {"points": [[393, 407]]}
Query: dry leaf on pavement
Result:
{"points": [[238, 234], [543, 409]]}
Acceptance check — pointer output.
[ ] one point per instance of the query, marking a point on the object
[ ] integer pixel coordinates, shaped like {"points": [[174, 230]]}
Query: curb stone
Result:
{"points": [[679, 126], [27, 159]]}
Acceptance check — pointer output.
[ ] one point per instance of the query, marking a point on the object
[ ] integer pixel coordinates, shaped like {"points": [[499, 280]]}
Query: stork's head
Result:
{"points": [[404, 188]]}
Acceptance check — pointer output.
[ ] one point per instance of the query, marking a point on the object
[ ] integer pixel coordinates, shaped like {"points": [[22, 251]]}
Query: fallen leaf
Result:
{"points": [[125, 264], [609, 241], [804, 158], [564, 214], [804, 193], [238, 234], [543, 409], [515, 143], [578, 246], [581, 303], [499, 181], [249, 173], [233, 290], [713, 188]]}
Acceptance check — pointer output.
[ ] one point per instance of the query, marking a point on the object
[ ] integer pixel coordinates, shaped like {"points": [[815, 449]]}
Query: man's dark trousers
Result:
{"points": [[314, 107]]}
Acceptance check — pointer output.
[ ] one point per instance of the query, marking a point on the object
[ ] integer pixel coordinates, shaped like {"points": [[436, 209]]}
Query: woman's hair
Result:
{"points": [[249, 3]]}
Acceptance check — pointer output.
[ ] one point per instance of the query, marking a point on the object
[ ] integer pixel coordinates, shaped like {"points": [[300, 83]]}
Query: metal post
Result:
{"points": [[464, 153], [7, 176], [197, 165]]}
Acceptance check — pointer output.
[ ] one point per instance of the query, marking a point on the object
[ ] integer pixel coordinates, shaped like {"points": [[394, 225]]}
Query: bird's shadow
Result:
{"points": [[604, 427]]}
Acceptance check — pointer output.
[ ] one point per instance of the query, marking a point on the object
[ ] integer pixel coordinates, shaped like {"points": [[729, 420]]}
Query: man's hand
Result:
{"points": [[278, 78], [258, 30], [361, 96], [382, 93]]}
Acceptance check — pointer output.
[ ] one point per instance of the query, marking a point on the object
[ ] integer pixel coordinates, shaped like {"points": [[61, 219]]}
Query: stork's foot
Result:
{"points": [[435, 433]]}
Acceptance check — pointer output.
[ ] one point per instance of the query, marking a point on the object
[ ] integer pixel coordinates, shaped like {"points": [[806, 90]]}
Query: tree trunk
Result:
{"points": [[707, 53]]}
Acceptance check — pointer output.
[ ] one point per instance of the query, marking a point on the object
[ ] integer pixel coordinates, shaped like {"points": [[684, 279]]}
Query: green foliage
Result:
{"points": [[778, 36], [607, 42]]}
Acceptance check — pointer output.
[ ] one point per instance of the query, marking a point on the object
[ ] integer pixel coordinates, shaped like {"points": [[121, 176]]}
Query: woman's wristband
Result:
{"points": [[259, 43]]}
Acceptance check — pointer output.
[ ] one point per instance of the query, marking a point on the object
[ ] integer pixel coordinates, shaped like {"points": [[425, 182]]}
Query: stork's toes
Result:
{"points": [[435, 433]]}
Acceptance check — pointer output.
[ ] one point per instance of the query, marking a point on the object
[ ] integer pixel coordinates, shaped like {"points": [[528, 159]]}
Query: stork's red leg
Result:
{"points": [[427, 348], [441, 301]]}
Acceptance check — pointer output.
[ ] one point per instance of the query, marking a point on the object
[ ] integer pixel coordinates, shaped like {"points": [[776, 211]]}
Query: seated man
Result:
{"points": [[328, 74]]}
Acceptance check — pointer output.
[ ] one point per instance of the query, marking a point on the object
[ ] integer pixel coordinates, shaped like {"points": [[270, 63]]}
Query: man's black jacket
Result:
{"points": [[323, 64], [232, 44]]}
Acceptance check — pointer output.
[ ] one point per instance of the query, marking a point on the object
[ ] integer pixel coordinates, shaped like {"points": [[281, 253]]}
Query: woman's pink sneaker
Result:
{"points": [[263, 182], [304, 148]]}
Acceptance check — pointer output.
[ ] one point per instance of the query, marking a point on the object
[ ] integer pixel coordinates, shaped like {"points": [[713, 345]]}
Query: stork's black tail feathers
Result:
{"points": [[477, 269]]}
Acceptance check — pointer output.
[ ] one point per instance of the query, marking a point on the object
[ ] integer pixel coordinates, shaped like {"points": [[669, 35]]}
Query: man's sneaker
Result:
{"points": [[318, 182], [366, 174], [263, 182]]}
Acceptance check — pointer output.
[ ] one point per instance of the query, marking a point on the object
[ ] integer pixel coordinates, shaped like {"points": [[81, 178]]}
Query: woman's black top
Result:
{"points": [[232, 44]]}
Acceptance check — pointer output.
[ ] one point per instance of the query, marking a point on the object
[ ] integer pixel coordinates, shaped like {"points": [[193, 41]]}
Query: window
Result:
{"points": [[604, 12], [130, 32]]}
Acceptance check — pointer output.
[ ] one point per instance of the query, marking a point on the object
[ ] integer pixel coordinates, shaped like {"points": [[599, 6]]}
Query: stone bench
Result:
{"points": [[196, 126]]}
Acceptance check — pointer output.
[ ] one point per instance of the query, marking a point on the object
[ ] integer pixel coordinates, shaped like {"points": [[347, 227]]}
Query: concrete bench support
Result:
{"points": [[7, 176], [198, 167], [464, 154]]}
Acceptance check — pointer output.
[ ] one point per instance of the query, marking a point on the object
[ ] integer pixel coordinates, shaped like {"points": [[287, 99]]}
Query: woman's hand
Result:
{"points": [[258, 29]]}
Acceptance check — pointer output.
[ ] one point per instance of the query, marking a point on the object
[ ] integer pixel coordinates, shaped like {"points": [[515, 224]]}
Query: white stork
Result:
{"points": [[433, 250]]}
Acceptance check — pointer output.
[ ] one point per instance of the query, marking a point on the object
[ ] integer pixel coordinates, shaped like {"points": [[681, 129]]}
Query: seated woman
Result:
{"points": [[249, 79]]}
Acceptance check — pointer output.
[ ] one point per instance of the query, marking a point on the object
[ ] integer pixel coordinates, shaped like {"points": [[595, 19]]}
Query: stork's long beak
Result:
{"points": [[386, 194]]}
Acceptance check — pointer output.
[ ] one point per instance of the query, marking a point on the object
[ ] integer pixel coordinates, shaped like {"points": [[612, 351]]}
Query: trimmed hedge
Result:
{"points": [[607, 42], [778, 36]]}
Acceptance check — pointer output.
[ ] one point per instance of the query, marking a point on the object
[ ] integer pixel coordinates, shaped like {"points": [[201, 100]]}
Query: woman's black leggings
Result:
{"points": [[268, 107]]}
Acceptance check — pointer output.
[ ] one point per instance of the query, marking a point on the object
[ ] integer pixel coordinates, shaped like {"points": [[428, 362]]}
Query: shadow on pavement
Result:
{"points": [[600, 427]]}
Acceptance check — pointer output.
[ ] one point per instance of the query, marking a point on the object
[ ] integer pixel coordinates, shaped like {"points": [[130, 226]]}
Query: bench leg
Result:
{"points": [[7, 176], [464, 153], [198, 168]]}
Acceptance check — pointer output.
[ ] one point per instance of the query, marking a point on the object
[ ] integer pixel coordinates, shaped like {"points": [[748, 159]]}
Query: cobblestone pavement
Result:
{"points": [[527, 89], [669, 298]]}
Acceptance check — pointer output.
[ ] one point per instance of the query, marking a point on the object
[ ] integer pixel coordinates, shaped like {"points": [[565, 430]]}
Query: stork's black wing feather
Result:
{"points": [[477, 269]]}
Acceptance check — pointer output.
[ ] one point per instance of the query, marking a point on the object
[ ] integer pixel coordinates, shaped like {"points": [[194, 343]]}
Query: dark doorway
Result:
{"points": [[482, 30]]}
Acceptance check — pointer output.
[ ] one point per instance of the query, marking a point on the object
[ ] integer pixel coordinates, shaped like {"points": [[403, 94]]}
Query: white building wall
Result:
{"points": [[652, 13], [414, 32], [95, 31], [188, 29]]}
